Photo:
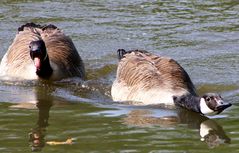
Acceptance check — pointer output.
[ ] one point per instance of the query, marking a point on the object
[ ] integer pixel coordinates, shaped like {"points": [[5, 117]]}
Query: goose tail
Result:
{"points": [[28, 25], [121, 53]]}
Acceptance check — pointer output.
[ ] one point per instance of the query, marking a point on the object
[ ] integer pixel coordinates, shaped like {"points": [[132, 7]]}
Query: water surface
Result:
{"points": [[202, 36]]}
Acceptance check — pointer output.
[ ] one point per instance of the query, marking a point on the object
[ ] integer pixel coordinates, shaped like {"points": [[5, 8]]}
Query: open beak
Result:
{"points": [[37, 63], [222, 106]]}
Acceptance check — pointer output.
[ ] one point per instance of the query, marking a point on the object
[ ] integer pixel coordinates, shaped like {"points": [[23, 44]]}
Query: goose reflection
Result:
{"points": [[210, 131], [213, 134], [38, 133]]}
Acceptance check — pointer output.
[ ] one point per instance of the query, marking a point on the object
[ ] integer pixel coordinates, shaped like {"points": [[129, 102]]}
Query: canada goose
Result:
{"points": [[43, 52], [151, 79]]}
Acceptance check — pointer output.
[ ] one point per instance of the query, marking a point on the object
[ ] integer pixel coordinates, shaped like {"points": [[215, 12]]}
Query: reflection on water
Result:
{"points": [[37, 134], [57, 94], [146, 118], [213, 134], [210, 131]]}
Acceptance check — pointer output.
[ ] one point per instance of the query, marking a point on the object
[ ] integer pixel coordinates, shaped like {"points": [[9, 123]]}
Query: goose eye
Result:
{"points": [[208, 98], [30, 47]]}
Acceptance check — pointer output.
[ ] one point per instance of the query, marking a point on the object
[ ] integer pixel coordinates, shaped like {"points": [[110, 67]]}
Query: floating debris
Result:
{"points": [[68, 141]]}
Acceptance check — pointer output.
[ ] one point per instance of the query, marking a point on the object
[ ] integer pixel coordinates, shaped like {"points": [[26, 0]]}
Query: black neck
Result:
{"points": [[45, 71], [189, 102]]}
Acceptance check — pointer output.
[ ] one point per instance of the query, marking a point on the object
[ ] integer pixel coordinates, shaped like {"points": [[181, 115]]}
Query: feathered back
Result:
{"points": [[17, 55], [60, 49], [143, 70]]}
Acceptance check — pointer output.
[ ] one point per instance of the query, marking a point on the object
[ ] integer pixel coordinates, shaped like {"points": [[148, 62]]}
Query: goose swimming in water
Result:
{"points": [[42, 52], [151, 79]]}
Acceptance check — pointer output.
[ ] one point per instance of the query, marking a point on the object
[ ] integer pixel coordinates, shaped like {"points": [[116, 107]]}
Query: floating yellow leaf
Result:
{"points": [[68, 141]]}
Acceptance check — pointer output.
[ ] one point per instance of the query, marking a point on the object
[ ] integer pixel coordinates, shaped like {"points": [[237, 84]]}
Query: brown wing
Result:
{"points": [[18, 52], [146, 70], [173, 73], [62, 51]]}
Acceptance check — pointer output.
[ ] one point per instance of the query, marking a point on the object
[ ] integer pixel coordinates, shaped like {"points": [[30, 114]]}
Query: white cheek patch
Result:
{"points": [[219, 102], [204, 108]]}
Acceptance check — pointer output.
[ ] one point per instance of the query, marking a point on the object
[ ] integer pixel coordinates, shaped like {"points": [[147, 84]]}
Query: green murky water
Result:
{"points": [[202, 36]]}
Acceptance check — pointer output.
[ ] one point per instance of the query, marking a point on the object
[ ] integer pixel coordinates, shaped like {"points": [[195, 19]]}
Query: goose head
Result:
{"points": [[38, 54], [208, 104], [212, 103]]}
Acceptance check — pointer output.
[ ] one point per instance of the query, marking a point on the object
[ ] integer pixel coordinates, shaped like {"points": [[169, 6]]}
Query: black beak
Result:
{"points": [[223, 106], [35, 53], [37, 49]]}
